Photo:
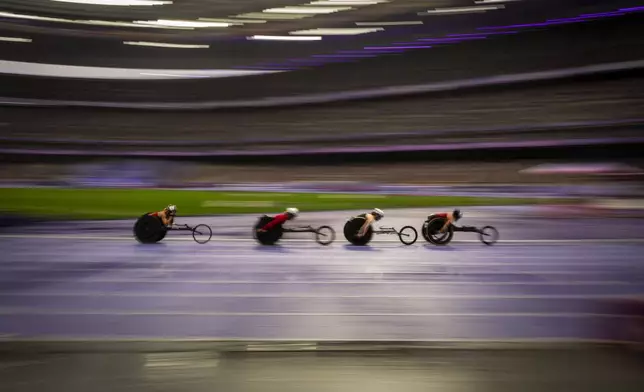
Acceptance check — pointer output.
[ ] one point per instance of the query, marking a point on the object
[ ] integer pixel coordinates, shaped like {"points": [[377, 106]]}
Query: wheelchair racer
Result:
{"points": [[167, 215], [451, 218], [375, 215], [279, 219]]}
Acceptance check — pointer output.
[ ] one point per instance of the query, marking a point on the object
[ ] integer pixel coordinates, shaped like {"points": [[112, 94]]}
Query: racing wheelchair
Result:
{"points": [[150, 229], [324, 235], [407, 235], [488, 235]]}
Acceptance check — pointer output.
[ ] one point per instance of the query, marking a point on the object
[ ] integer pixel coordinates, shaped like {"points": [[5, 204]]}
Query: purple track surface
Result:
{"points": [[544, 279]]}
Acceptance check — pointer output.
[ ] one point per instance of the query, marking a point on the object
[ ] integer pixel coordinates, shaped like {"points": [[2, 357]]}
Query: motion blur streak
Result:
{"points": [[284, 38], [117, 2], [461, 10], [165, 45], [15, 39], [86, 22], [69, 71]]}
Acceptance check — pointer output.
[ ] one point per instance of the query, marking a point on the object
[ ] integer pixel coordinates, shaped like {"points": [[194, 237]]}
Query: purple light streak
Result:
{"points": [[518, 26], [576, 19], [347, 56], [402, 47], [307, 60], [611, 13], [449, 40], [479, 34], [367, 52], [395, 47]]}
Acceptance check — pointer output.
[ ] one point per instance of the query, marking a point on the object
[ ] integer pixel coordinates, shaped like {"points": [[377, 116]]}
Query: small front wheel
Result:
{"points": [[489, 235], [408, 235], [202, 233], [324, 235]]}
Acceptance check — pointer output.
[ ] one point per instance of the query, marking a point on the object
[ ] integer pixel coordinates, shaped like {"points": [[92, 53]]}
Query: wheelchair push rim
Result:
{"points": [[436, 237]]}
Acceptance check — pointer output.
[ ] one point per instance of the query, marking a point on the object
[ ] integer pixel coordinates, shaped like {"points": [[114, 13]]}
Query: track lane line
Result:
{"points": [[311, 296], [329, 282], [80, 312]]}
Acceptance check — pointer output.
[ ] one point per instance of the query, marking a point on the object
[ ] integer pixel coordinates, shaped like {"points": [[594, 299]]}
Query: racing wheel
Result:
{"points": [[351, 229]]}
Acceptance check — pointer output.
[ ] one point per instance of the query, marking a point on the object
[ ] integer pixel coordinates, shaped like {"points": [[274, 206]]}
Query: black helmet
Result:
{"points": [[457, 214]]}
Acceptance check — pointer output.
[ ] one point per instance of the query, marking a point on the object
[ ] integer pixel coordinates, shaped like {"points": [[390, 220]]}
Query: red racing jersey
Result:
{"points": [[278, 220]]}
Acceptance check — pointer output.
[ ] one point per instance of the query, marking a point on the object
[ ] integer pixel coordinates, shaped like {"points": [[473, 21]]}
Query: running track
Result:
{"points": [[546, 279]]}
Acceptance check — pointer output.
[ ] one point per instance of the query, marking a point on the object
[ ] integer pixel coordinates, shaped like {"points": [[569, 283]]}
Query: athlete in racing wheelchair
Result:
{"points": [[375, 215], [280, 219], [269, 230], [166, 215], [439, 229], [450, 219], [152, 227]]}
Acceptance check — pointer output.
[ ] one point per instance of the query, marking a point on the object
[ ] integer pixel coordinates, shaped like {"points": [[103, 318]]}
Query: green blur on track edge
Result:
{"points": [[86, 203]]}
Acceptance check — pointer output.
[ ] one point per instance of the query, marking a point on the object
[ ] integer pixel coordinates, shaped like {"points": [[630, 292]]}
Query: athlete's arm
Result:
{"points": [[448, 221], [164, 218], [368, 219]]}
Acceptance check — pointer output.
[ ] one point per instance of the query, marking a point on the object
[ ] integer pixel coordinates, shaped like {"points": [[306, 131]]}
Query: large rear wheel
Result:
{"points": [[149, 229], [351, 229], [269, 237], [424, 231], [432, 232]]}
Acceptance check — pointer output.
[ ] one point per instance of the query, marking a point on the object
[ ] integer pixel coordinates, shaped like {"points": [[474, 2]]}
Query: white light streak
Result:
{"points": [[120, 3], [84, 72], [233, 21], [273, 16], [83, 22], [15, 39], [183, 23], [285, 38], [348, 2], [399, 23], [165, 45], [462, 10], [305, 10], [337, 31]]}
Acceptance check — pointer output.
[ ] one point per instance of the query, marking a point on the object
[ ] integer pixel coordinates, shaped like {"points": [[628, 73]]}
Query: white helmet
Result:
{"points": [[378, 212], [172, 209], [293, 211]]}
